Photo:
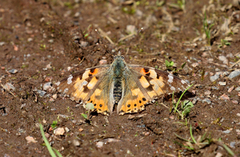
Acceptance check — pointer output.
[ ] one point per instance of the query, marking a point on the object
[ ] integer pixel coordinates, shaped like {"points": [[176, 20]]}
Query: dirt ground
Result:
{"points": [[43, 41]]}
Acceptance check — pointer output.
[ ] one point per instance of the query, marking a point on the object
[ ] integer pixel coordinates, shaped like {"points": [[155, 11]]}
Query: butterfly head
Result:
{"points": [[119, 65]]}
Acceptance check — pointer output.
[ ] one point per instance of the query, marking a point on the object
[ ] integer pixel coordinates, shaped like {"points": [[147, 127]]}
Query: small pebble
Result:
{"points": [[237, 89], [208, 101], [131, 29], [222, 83], [41, 93], [13, 71], [232, 144], [47, 85], [235, 101], [66, 129], [76, 143], [54, 96], [2, 43], [8, 86], [230, 89], [59, 131], [214, 78], [223, 59], [224, 97], [30, 139], [227, 131], [30, 39], [219, 155], [83, 43], [234, 74], [208, 92], [99, 144]]}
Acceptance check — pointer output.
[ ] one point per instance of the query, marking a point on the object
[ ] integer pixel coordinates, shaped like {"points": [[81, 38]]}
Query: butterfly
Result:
{"points": [[126, 86]]}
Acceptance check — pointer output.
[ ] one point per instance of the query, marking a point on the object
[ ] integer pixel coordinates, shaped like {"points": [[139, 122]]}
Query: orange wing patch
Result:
{"points": [[135, 103], [99, 104]]}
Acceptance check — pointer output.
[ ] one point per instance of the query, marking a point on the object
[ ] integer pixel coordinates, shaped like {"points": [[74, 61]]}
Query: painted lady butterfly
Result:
{"points": [[129, 87]]}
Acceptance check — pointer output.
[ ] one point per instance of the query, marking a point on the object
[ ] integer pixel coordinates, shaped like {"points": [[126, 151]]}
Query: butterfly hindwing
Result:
{"points": [[89, 86]]}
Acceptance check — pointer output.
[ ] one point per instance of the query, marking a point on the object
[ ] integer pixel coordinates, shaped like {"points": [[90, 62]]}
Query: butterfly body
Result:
{"points": [[129, 87]]}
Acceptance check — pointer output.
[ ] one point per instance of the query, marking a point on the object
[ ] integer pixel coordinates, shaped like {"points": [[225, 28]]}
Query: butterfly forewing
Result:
{"points": [[88, 86], [146, 84]]}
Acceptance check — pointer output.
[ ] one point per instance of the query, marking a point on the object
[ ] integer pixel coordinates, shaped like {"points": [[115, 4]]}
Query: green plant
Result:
{"points": [[89, 107], [207, 28], [51, 150], [169, 65], [201, 142], [224, 42], [54, 124], [185, 105], [180, 5]]}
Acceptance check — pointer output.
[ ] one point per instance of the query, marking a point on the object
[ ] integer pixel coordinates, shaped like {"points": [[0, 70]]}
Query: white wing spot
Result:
{"points": [[84, 83], [170, 78], [69, 80]]}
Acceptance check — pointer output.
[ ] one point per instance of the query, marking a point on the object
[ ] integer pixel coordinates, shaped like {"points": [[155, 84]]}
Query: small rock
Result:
{"points": [[222, 83], [83, 43], [2, 43], [30, 139], [59, 131], [47, 85], [30, 39], [54, 96], [237, 89], [215, 88], [50, 40], [232, 144], [214, 77], [208, 101], [230, 89], [131, 29], [234, 74], [77, 14], [224, 97], [219, 155], [13, 71], [76, 143], [238, 114], [66, 129], [103, 62], [223, 59], [189, 50], [49, 66], [227, 131], [41, 93], [195, 65], [99, 144], [235, 101], [8, 86], [208, 92]]}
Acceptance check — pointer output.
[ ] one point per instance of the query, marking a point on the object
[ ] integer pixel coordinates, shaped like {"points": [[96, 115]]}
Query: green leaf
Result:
{"points": [[84, 116]]}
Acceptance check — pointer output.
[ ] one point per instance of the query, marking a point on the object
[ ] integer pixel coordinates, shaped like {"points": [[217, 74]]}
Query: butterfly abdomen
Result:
{"points": [[117, 90]]}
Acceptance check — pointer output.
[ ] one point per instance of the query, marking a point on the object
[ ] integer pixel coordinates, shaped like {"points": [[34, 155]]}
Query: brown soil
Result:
{"points": [[46, 40]]}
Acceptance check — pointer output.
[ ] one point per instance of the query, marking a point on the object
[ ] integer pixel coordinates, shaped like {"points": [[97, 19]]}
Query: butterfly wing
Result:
{"points": [[145, 84], [90, 86]]}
